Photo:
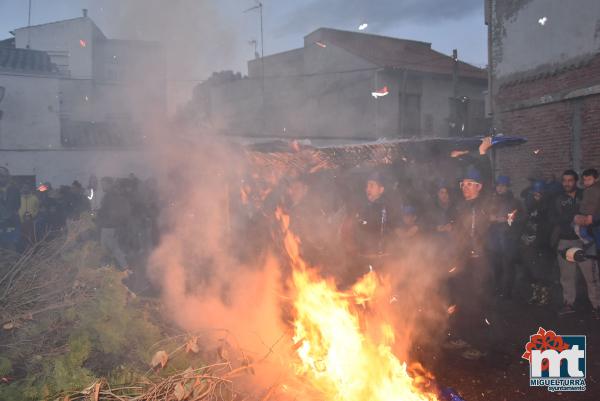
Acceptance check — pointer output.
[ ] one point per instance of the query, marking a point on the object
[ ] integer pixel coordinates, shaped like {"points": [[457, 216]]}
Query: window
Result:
{"points": [[85, 134], [410, 114], [467, 117]]}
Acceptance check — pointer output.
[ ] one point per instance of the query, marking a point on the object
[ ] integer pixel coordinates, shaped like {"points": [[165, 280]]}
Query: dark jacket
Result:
{"points": [[537, 226], [10, 202], [502, 234], [115, 210], [590, 204], [440, 216], [472, 226], [565, 209], [373, 222]]}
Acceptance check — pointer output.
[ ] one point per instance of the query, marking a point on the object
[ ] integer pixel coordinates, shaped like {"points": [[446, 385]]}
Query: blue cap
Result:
{"points": [[537, 186], [472, 174], [441, 183], [375, 176], [503, 180], [408, 209]]}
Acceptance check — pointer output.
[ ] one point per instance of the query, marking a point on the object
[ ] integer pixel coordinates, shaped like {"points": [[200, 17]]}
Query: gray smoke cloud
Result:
{"points": [[379, 14]]}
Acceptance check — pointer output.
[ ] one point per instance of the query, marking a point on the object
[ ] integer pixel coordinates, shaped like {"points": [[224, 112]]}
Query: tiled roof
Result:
{"points": [[395, 53], [10, 42], [26, 60]]}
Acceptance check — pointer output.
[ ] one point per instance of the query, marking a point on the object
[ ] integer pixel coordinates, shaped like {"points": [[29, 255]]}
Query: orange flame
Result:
{"points": [[343, 353]]}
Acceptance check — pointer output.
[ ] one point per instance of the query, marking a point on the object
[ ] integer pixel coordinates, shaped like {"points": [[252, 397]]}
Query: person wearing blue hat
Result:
{"points": [[470, 285], [536, 252], [504, 234], [370, 228], [408, 228], [444, 209]]}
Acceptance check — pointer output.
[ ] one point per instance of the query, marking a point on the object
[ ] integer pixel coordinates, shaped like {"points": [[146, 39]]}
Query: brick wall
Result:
{"points": [[590, 135], [549, 127], [577, 75], [548, 147]]}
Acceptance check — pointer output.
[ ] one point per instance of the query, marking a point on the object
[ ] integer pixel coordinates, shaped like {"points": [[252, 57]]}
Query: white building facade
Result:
{"points": [[76, 103]]}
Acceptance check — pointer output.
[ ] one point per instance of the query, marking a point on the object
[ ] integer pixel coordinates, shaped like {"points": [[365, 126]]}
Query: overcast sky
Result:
{"points": [[216, 33]]}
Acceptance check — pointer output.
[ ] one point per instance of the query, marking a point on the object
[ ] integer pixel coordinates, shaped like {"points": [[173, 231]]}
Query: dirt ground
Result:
{"points": [[502, 375]]}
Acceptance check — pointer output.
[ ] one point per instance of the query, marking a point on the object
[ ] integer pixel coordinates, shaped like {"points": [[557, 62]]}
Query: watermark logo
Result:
{"points": [[556, 362]]}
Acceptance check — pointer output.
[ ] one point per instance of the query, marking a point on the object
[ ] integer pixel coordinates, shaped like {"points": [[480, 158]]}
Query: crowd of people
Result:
{"points": [[125, 217], [529, 248], [494, 246], [29, 214]]}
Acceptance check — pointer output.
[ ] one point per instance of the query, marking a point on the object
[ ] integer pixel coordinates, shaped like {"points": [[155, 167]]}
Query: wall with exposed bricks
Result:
{"points": [[549, 129]]}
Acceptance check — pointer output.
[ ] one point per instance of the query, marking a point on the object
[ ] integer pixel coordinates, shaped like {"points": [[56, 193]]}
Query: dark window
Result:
{"points": [[410, 115], [467, 117], [477, 121], [428, 125], [84, 134]]}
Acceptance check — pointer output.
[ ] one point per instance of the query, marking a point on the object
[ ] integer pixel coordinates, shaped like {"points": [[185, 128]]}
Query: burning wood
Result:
{"points": [[334, 349]]}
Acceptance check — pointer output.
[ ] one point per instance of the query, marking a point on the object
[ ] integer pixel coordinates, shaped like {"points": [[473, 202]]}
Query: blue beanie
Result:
{"points": [[376, 176], [472, 174], [408, 209], [537, 186], [503, 180]]}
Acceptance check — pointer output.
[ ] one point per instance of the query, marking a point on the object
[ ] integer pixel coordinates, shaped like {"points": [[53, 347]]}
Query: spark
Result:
{"points": [[393, 299], [321, 44], [87, 98], [91, 195], [487, 322], [452, 270], [82, 43], [542, 21], [535, 152], [380, 92], [363, 26], [451, 309], [370, 268], [510, 218], [43, 188]]}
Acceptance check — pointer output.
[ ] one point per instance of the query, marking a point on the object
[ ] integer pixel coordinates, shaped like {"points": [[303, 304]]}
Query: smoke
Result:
{"points": [[197, 37], [205, 283]]}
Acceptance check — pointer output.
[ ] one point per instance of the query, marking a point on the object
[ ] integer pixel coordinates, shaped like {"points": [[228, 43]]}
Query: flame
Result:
{"points": [[343, 346]]}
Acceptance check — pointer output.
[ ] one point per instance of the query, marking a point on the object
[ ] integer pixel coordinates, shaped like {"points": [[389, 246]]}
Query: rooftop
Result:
{"points": [[389, 52]]}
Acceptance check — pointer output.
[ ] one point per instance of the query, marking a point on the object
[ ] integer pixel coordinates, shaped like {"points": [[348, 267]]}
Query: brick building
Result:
{"points": [[545, 84]]}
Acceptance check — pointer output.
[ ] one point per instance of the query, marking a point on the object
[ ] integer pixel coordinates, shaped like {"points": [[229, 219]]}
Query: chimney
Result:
{"points": [[84, 12]]}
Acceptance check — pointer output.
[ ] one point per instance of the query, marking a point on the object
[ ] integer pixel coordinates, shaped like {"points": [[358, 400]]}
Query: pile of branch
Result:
{"points": [[38, 280], [207, 383]]}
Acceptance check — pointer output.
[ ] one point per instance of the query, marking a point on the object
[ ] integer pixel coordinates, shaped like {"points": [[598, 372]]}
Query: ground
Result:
{"points": [[503, 375]]}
